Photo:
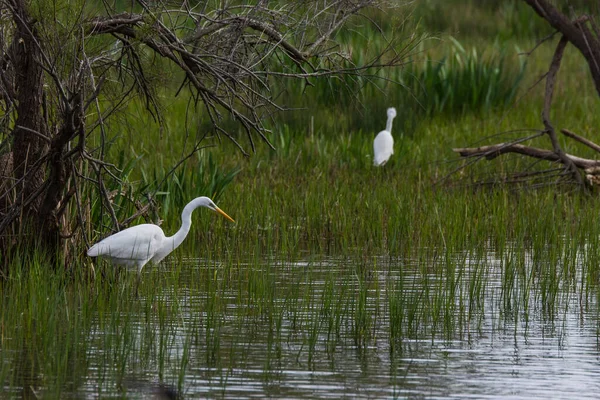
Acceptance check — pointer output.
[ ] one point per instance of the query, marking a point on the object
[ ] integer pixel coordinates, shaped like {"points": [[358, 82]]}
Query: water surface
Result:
{"points": [[491, 326]]}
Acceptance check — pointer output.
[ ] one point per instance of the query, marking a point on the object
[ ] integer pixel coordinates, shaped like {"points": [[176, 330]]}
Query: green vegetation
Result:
{"points": [[328, 255]]}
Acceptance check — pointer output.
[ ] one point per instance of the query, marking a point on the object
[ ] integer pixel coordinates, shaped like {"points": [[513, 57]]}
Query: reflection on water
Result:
{"points": [[472, 327]]}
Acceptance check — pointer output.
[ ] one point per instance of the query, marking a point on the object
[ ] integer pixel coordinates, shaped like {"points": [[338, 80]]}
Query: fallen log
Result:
{"points": [[495, 150]]}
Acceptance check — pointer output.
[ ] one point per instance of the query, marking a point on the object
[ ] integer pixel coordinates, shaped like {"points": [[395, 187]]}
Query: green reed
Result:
{"points": [[459, 80]]}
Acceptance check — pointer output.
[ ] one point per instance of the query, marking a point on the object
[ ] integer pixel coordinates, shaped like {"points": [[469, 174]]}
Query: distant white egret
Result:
{"points": [[383, 145], [136, 246]]}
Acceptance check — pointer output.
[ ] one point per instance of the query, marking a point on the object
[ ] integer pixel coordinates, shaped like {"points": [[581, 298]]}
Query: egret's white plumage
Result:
{"points": [[136, 246], [383, 145]]}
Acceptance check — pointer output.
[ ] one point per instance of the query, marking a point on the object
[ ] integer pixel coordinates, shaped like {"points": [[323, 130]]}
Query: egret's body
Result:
{"points": [[383, 145], [136, 246]]}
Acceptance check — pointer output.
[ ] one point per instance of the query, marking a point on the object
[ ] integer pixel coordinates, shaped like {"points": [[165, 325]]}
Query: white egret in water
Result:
{"points": [[137, 245], [383, 145]]}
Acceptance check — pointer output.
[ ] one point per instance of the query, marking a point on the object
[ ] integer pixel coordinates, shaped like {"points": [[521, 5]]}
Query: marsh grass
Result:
{"points": [[457, 80], [465, 81], [97, 335]]}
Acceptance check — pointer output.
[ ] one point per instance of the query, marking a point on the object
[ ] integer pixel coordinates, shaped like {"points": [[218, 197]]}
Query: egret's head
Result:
{"points": [[391, 112], [208, 203]]}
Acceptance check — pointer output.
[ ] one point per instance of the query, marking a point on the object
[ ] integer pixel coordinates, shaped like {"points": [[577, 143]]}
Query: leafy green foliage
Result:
{"points": [[464, 81]]}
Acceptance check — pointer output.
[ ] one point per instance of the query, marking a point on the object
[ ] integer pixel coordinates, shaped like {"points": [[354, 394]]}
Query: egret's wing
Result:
{"points": [[133, 244], [383, 147]]}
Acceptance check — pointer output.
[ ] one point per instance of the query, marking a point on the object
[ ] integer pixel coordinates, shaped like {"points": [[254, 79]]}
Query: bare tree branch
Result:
{"points": [[495, 150], [550, 81], [576, 31], [581, 139]]}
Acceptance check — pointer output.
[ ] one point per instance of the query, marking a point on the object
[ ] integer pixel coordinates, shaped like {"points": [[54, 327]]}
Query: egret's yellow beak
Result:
{"points": [[223, 213]]}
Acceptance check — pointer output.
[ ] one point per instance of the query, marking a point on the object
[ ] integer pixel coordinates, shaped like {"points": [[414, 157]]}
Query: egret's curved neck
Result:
{"points": [[388, 126], [186, 223]]}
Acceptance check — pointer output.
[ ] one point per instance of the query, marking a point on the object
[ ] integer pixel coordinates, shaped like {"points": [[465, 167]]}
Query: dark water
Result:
{"points": [[283, 347]]}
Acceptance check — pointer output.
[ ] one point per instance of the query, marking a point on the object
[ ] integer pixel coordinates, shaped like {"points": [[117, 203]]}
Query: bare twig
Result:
{"points": [[581, 139], [550, 81]]}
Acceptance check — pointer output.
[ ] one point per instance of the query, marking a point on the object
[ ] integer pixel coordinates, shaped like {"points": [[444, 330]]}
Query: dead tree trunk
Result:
{"points": [[30, 130], [39, 169], [30, 133]]}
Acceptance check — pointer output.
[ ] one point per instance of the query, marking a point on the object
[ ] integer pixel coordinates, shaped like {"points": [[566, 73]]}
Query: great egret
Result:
{"points": [[137, 245], [383, 145]]}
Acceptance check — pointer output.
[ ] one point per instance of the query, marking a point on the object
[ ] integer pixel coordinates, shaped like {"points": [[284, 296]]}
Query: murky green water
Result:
{"points": [[327, 328]]}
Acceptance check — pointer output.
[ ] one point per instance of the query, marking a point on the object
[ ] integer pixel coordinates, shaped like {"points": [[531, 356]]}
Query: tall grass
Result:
{"points": [[456, 81], [227, 310], [464, 82]]}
